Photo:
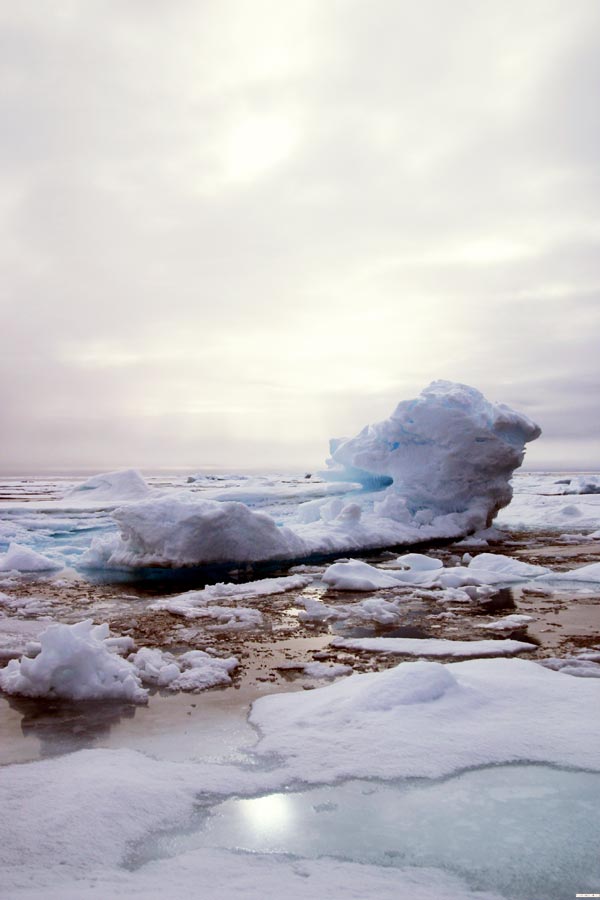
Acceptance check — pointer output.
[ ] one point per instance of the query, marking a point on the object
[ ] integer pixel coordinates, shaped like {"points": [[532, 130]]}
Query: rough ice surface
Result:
{"points": [[125, 484], [23, 559], [430, 720], [440, 466], [435, 646], [75, 663], [449, 451]]}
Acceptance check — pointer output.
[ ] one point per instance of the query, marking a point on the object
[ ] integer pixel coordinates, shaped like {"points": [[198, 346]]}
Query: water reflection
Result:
{"points": [[62, 726]]}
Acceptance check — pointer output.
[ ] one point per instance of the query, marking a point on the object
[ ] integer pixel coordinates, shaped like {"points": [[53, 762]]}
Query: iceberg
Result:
{"points": [[439, 467]]}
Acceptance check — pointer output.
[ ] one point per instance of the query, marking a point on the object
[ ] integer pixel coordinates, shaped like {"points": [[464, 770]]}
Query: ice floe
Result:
{"points": [[425, 719], [435, 647]]}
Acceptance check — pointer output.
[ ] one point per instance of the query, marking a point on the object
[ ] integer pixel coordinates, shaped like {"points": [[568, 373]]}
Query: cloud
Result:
{"points": [[229, 230]]}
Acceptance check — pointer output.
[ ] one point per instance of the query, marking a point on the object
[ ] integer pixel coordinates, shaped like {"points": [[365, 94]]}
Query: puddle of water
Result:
{"points": [[523, 830]]}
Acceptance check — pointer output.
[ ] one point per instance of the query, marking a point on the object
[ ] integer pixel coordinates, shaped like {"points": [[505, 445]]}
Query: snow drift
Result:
{"points": [[439, 467]]}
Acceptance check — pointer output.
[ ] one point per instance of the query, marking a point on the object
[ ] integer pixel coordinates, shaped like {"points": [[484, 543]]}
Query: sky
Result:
{"points": [[230, 230]]}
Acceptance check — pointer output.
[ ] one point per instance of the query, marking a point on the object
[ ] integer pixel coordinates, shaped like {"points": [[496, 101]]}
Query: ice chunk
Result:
{"points": [[22, 559], [125, 484], [505, 567], [203, 671], [75, 663], [355, 575], [418, 562]]}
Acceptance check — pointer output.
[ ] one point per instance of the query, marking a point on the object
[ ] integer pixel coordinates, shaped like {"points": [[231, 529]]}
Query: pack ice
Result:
{"points": [[438, 467]]}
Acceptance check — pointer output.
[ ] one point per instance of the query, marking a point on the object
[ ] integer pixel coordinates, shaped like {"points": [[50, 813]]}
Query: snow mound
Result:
{"points": [[428, 720], [182, 531], [125, 484], [75, 663], [22, 559], [448, 451]]}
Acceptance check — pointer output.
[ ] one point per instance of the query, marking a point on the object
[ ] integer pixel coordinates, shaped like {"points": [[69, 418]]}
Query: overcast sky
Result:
{"points": [[233, 229]]}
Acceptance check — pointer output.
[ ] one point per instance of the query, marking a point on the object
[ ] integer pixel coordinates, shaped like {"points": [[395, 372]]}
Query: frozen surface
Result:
{"points": [[452, 823], [435, 646], [431, 720]]}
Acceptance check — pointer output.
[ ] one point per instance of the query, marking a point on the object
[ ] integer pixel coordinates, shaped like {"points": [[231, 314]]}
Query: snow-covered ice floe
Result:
{"points": [[195, 604], [435, 647], [438, 467], [426, 719], [81, 662]]}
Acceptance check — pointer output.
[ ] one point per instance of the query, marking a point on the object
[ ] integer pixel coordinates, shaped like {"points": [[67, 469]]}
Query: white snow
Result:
{"points": [[435, 646], [23, 559], [75, 663], [424, 719]]}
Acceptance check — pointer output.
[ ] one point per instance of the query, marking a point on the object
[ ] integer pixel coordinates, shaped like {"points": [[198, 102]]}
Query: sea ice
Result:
{"points": [[425, 719], [435, 646], [75, 663], [440, 466], [190, 603]]}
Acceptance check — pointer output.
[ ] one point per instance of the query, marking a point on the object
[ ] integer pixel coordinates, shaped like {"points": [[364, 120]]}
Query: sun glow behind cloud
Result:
{"points": [[234, 230]]}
